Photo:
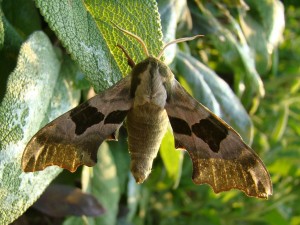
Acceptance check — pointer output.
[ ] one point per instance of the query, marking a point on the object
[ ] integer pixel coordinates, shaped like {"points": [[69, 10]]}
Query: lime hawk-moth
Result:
{"points": [[148, 99]]}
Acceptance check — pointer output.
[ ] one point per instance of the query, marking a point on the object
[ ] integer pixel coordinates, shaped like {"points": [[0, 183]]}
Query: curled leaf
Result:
{"points": [[61, 200]]}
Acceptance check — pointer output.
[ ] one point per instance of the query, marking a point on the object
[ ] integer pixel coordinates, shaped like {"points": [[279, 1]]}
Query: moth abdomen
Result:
{"points": [[146, 126]]}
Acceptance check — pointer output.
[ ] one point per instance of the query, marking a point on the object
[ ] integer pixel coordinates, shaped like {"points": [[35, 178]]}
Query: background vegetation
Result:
{"points": [[52, 51]]}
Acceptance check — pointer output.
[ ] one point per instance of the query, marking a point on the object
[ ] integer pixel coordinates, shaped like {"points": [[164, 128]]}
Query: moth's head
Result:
{"points": [[165, 46], [151, 79], [151, 82]]}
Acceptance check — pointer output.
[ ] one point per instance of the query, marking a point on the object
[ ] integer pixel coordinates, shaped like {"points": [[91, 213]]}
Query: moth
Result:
{"points": [[148, 99]]}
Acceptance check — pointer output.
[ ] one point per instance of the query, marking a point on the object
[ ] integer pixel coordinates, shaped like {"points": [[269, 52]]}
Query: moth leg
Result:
{"points": [[130, 62], [114, 136]]}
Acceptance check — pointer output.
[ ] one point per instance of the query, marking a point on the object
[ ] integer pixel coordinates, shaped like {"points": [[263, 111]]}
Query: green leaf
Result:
{"points": [[9, 50], [22, 15], [171, 157], [144, 206], [263, 25], [119, 150], [231, 109], [64, 95], [167, 11], [231, 44], [256, 38], [102, 182], [270, 14], [193, 81], [280, 126], [235, 3], [133, 197], [172, 13], [86, 29], [72, 220], [21, 113], [275, 217]]}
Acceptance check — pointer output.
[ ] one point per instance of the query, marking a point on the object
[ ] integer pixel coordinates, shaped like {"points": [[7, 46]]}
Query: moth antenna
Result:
{"points": [[177, 41], [134, 36]]}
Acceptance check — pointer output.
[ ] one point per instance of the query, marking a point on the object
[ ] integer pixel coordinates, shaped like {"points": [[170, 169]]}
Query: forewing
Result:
{"points": [[219, 155], [73, 139]]}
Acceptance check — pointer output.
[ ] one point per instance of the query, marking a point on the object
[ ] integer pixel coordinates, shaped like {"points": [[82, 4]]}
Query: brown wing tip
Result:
{"points": [[37, 157], [31, 168], [248, 175], [250, 192]]}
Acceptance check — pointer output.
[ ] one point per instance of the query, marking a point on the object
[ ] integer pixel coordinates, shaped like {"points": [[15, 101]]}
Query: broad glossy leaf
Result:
{"points": [[263, 25], [256, 38], [270, 14]]}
